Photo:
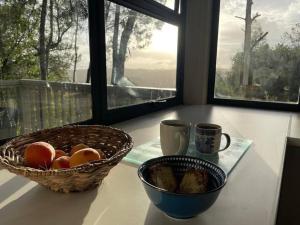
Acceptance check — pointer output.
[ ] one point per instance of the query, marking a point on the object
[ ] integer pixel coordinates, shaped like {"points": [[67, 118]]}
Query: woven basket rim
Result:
{"points": [[82, 168]]}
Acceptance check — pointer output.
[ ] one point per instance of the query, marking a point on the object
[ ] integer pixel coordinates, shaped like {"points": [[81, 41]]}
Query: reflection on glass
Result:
{"points": [[141, 57], [258, 51], [169, 3], [43, 72]]}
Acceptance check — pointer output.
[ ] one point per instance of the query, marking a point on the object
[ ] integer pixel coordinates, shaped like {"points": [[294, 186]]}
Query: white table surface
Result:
{"points": [[249, 197]]}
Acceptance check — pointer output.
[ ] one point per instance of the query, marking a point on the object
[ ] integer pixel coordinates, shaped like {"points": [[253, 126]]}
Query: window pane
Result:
{"points": [[169, 3], [43, 74], [141, 57], [260, 61]]}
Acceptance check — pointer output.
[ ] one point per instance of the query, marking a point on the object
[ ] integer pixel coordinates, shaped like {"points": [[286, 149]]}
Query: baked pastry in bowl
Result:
{"points": [[182, 186]]}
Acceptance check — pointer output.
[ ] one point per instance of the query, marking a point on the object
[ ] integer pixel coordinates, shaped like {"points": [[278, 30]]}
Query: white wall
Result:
{"points": [[197, 51]]}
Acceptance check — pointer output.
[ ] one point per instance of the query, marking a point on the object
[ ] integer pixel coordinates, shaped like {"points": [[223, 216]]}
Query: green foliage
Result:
{"points": [[223, 87], [19, 38], [59, 64], [275, 71], [293, 38], [20, 49]]}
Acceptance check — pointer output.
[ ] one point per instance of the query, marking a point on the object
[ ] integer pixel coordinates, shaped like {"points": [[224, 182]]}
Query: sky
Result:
{"points": [[161, 54], [277, 17]]}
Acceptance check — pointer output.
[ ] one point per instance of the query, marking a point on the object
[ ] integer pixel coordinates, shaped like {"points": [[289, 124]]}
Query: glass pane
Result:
{"points": [[141, 55], [258, 51], [169, 3], [43, 65]]}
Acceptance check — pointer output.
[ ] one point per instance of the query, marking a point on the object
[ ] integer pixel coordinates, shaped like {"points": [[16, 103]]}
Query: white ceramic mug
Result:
{"points": [[174, 137]]}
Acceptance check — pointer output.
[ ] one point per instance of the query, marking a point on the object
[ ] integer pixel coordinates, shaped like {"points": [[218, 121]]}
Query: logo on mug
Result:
{"points": [[208, 138]]}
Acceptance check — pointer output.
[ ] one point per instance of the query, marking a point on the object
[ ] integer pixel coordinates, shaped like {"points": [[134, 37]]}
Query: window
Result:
{"points": [[57, 61], [258, 54], [44, 63], [141, 57], [142, 61]]}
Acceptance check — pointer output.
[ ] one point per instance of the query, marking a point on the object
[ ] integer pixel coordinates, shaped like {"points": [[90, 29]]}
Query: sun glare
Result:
{"points": [[165, 40]]}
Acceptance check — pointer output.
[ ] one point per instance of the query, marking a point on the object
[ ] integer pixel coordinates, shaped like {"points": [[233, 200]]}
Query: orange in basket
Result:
{"points": [[114, 144]]}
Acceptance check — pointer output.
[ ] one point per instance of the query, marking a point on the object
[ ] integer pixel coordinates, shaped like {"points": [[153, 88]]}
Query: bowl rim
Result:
{"points": [[179, 194]]}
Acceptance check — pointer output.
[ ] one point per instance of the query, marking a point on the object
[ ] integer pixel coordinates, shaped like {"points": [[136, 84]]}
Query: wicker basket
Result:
{"points": [[113, 142]]}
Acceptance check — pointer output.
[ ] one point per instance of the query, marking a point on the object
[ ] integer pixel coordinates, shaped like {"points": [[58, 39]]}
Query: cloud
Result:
{"points": [[280, 13], [233, 7], [277, 17], [292, 15], [231, 35]]}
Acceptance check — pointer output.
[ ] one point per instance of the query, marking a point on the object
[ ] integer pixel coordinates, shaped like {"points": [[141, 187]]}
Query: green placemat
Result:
{"points": [[227, 159]]}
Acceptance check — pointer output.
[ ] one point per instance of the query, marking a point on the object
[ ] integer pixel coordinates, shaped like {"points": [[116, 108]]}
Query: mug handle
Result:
{"points": [[228, 140], [184, 141]]}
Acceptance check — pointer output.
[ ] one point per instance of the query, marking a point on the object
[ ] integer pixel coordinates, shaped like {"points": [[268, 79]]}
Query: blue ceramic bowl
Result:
{"points": [[179, 205]]}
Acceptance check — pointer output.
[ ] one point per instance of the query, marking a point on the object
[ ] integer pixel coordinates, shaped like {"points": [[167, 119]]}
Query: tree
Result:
{"points": [[292, 42], [35, 38], [126, 29], [42, 52], [81, 14], [17, 36], [292, 38], [60, 15], [41, 39], [234, 78], [275, 70], [249, 43]]}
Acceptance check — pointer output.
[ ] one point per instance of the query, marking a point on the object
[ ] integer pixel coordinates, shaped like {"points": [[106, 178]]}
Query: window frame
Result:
{"points": [[212, 75], [101, 113]]}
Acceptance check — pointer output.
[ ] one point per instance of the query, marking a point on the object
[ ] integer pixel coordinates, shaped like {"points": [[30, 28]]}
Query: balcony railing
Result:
{"points": [[29, 105]]}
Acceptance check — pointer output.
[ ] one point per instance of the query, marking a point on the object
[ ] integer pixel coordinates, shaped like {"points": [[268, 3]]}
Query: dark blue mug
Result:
{"points": [[208, 138]]}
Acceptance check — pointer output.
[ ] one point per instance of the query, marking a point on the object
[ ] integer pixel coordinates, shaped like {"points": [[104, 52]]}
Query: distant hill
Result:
{"points": [[140, 77]]}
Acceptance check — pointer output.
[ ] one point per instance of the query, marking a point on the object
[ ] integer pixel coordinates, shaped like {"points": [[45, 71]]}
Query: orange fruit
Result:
{"points": [[84, 156], [77, 148], [62, 162], [39, 155], [59, 153]]}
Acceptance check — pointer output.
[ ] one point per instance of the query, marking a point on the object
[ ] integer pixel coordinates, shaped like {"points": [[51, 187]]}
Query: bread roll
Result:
{"points": [[194, 181], [163, 177]]}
